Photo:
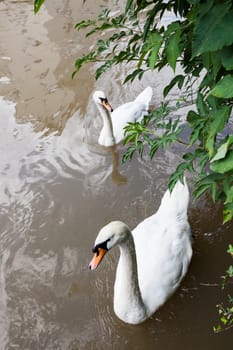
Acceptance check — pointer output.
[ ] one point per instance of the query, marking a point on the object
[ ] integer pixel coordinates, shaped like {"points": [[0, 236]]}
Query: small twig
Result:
{"points": [[182, 142], [224, 329], [209, 284], [213, 284]]}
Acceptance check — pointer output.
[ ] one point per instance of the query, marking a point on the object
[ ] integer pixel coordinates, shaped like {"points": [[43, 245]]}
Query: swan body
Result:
{"points": [[154, 257], [114, 121]]}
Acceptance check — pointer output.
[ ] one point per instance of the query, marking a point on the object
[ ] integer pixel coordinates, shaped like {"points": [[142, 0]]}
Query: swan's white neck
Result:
{"points": [[128, 303], [106, 136]]}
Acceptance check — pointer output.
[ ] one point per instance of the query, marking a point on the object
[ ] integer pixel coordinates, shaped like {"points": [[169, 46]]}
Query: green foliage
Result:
{"points": [[224, 88], [213, 19], [37, 5], [200, 40], [226, 312], [142, 134], [135, 36]]}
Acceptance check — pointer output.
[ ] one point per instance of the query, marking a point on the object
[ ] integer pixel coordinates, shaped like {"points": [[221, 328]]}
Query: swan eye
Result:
{"points": [[103, 100], [103, 245]]}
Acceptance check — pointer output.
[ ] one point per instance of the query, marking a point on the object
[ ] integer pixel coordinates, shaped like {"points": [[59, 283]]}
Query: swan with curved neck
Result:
{"points": [[114, 121], [154, 257]]}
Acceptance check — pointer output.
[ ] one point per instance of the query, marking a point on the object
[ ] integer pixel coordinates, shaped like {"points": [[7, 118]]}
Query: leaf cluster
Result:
{"points": [[200, 41], [226, 312], [146, 133]]}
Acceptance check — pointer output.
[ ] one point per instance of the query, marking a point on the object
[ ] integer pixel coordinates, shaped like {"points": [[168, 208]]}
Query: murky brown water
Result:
{"points": [[58, 187]]}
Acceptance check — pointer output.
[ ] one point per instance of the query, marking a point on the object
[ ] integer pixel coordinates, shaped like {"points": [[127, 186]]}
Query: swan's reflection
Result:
{"points": [[101, 166], [117, 177]]}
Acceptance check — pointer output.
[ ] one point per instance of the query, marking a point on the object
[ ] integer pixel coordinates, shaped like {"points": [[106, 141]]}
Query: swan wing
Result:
{"points": [[163, 248], [130, 112], [163, 252], [145, 96], [127, 113]]}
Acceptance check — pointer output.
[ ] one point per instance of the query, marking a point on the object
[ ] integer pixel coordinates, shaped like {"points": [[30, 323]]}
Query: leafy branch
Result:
{"points": [[137, 37], [226, 312]]}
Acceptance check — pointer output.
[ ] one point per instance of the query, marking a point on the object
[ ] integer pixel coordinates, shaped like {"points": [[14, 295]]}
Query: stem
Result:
{"points": [[225, 328], [182, 142]]}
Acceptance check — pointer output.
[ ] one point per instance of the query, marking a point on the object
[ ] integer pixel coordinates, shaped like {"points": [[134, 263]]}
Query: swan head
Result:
{"points": [[114, 233], [101, 100]]}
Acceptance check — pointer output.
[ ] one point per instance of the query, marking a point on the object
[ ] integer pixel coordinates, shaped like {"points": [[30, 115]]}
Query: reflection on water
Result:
{"points": [[58, 187]]}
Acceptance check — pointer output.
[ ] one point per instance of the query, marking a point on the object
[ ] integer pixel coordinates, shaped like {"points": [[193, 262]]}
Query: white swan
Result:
{"points": [[114, 121], [154, 257]]}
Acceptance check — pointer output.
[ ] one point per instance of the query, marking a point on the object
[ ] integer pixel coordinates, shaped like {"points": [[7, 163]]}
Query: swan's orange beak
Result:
{"points": [[97, 258], [107, 106]]}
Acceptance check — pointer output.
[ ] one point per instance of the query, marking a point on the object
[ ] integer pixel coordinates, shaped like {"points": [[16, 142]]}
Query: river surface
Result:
{"points": [[58, 187]]}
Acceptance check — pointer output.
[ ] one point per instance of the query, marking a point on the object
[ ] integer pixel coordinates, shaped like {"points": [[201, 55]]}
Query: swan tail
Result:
{"points": [[176, 202], [145, 96]]}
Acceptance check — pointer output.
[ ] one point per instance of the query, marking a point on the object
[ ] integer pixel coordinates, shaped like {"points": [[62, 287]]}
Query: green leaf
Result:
{"points": [[172, 49], [207, 80], [230, 249], [227, 189], [213, 30], [179, 79], [227, 57], [128, 154], [195, 135], [209, 182], [228, 213], [153, 44], [177, 175], [222, 150], [104, 14], [203, 160], [84, 24], [225, 165], [100, 70], [224, 88], [90, 57], [129, 138], [217, 328], [230, 271], [206, 59], [140, 148], [128, 5], [141, 58], [197, 123], [229, 194], [150, 20], [188, 156], [201, 105], [154, 148], [172, 28], [223, 319], [37, 5], [200, 190], [104, 26], [153, 58], [133, 75], [194, 119], [219, 120], [216, 62]]}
